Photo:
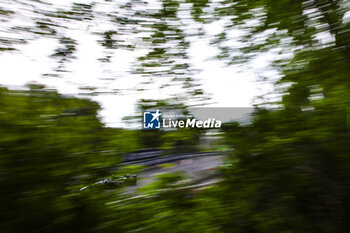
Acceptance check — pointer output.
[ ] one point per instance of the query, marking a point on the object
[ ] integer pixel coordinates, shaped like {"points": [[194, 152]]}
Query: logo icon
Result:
{"points": [[151, 119]]}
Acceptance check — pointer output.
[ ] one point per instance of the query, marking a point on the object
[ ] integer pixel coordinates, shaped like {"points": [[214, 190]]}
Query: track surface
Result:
{"points": [[197, 168]]}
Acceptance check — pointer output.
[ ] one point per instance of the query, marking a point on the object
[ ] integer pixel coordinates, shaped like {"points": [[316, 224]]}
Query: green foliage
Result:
{"points": [[169, 208], [291, 167], [134, 169], [289, 170], [122, 141], [186, 138], [130, 25], [51, 146]]}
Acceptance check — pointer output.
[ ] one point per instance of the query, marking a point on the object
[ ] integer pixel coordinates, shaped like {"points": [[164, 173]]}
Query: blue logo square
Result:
{"points": [[151, 119]]}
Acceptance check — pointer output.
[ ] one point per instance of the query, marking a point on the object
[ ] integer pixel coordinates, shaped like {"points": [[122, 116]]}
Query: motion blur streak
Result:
{"points": [[287, 169]]}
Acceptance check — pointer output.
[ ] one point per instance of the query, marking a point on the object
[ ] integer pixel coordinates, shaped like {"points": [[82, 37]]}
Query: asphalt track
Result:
{"points": [[197, 169]]}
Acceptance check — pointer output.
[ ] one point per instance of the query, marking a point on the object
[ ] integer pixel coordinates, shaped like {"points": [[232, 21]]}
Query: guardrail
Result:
{"points": [[167, 159]]}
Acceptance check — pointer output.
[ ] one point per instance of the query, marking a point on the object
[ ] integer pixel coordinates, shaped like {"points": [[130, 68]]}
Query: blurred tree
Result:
{"points": [[51, 145], [291, 168], [150, 28]]}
